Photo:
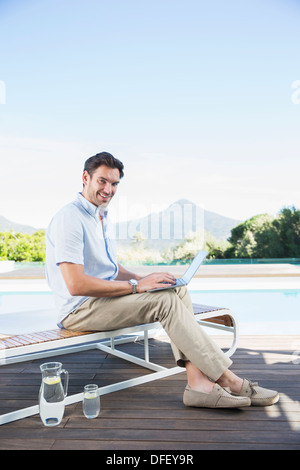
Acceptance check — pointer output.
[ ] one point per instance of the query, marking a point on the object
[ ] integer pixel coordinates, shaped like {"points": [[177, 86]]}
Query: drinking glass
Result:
{"points": [[91, 401]]}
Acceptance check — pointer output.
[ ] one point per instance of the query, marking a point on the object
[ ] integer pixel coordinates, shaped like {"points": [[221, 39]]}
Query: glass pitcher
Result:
{"points": [[52, 393]]}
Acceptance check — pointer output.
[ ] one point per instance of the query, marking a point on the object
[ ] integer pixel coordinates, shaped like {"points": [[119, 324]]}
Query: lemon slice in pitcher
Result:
{"points": [[52, 380]]}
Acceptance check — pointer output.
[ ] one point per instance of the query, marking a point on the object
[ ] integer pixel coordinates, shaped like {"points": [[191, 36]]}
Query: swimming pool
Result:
{"points": [[258, 311], [262, 306]]}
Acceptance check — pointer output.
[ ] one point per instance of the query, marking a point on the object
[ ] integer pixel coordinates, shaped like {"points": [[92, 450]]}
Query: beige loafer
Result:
{"points": [[218, 398], [259, 396]]}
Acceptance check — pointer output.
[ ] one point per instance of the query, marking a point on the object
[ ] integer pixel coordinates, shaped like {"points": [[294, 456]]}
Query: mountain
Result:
{"points": [[7, 225], [173, 224]]}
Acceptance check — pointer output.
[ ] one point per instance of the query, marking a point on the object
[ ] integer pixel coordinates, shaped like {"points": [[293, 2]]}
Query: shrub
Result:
{"points": [[22, 246]]}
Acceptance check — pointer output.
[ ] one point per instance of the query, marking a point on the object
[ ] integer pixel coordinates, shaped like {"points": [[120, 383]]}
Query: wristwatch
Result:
{"points": [[134, 284]]}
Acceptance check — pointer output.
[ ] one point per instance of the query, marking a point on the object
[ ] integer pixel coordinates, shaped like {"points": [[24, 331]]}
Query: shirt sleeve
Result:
{"points": [[67, 238]]}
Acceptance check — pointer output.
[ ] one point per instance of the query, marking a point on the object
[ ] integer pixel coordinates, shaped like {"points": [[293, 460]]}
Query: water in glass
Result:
{"points": [[91, 401]]}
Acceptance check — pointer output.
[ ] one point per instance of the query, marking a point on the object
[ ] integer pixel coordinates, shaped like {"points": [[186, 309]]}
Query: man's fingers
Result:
{"points": [[155, 280]]}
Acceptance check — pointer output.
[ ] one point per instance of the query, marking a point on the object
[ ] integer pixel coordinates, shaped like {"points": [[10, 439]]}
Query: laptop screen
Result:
{"points": [[193, 268]]}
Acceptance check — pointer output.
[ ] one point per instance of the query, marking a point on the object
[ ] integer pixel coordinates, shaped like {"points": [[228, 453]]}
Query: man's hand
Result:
{"points": [[155, 280], [152, 281]]}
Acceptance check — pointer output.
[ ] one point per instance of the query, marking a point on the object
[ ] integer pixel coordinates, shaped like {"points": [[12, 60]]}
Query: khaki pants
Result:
{"points": [[172, 308]]}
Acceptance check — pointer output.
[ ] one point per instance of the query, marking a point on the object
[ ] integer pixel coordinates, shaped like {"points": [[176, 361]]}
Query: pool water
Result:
{"points": [[26, 312], [258, 311], [25, 301]]}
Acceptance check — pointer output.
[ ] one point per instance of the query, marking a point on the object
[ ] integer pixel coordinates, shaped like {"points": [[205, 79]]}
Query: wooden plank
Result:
{"points": [[221, 320], [163, 447]]}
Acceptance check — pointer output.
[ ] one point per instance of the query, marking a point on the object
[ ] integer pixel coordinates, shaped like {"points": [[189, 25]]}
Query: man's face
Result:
{"points": [[101, 186]]}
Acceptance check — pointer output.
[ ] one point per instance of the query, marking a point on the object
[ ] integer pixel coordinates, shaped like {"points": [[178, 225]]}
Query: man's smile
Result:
{"points": [[104, 196]]}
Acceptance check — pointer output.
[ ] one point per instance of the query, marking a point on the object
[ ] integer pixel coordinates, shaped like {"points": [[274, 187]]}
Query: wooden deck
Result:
{"points": [[152, 416]]}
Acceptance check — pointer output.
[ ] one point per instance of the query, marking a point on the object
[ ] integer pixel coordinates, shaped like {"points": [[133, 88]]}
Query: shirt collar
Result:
{"points": [[90, 207]]}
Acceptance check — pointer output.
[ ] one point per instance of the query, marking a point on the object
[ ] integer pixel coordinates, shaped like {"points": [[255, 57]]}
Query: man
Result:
{"points": [[93, 292]]}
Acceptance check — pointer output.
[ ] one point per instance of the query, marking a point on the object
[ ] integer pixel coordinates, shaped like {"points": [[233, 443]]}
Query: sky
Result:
{"points": [[200, 100]]}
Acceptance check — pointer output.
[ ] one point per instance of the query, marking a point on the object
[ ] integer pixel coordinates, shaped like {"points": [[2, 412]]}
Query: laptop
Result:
{"points": [[189, 273]]}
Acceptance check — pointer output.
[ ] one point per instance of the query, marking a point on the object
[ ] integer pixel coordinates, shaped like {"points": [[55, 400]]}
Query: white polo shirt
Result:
{"points": [[76, 235]]}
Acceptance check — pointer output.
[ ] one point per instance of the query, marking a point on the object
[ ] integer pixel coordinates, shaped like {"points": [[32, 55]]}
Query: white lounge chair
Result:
{"points": [[49, 343]]}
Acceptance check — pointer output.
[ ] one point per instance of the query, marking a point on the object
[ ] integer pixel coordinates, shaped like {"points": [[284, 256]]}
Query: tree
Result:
{"points": [[243, 236], [287, 226], [138, 241], [263, 236], [187, 250]]}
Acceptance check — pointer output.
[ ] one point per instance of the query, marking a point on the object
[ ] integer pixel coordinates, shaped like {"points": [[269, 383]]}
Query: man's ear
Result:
{"points": [[85, 176]]}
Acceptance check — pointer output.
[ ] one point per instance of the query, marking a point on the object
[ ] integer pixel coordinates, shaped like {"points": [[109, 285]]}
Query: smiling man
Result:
{"points": [[93, 292]]}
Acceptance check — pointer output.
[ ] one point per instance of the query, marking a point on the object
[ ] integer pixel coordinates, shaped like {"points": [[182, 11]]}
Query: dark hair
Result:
{"points": [[103, 158]]}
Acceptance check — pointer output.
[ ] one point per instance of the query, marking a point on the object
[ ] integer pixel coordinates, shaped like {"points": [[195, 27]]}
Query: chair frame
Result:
{"points": [[45, 344]]}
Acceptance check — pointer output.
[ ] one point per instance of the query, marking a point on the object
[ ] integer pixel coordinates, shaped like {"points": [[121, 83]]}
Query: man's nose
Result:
{"points": [[108, 187]]}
